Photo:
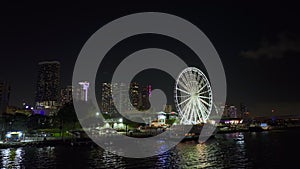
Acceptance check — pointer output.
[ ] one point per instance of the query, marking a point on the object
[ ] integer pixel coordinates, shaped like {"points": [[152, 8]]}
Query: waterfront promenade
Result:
{"points": [[72, 141]]}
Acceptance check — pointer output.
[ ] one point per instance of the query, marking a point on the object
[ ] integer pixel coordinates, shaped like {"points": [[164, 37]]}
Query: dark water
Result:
{"points": [[274, 149]]}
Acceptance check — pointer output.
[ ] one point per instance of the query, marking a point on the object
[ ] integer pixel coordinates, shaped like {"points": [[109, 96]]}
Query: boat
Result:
{"points": [[240, 137], [195, 134]]}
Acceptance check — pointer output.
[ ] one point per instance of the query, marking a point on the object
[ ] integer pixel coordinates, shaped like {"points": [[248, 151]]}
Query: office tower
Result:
{"points": [[66, 95], [114, 96], [120, 99], [106, 98], [144, 103], [48, 85], [232, 111], [134, 94]]}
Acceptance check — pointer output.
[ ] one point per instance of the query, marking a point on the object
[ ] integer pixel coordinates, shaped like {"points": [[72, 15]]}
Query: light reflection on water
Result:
{"points": [[12, 158], [258, 150]]}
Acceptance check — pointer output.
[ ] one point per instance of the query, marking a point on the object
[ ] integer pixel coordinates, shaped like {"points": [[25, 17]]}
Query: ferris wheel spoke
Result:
{"points": [[185, 81], [189, 110], [193, 81], [205, 111], [183, 85], [198, 114], [204, 97], [200, 83], [191, 115], [186, 92], [202, 87], [195, 113], [197, 84], [185, 107], [183, 96], [194, 116], [203, 101], [188, 78], [200, 108], [206, 91], [198, 78], [184, 101]]}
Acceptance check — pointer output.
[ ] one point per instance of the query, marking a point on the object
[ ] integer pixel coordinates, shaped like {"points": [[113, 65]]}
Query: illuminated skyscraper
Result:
{"points": [[121, 100], [232, 111], [144, 103], [134, 94], [66, 95], [48, 84], [106, 98], [138, 97], [4, 96]]}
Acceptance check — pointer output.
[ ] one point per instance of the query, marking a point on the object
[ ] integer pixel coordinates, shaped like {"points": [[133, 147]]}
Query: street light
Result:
{"points": [[121, 120]]}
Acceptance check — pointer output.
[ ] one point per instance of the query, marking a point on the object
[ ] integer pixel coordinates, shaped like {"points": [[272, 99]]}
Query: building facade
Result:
{"points": [[66, 95], [118, 100], [48, 85], [106, 98]]}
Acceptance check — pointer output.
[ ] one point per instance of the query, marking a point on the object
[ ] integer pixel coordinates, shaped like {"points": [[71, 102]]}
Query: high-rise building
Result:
{"points": [[121, 100], [138, 97], [66, 95], [134, 94], [232, 111], [48, 85], [144, 103], [106, 98], [244, 110], [4, 96]]}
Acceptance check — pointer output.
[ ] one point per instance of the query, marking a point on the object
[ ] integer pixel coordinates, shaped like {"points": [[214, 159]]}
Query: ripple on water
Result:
{"points": [[255, 151]]}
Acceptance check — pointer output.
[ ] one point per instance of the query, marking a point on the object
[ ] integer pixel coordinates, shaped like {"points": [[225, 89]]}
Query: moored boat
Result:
{"points": [[196, 133]]}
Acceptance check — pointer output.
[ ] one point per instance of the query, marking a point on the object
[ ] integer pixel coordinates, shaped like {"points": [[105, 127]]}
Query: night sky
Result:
{"points": [[258, 43]]}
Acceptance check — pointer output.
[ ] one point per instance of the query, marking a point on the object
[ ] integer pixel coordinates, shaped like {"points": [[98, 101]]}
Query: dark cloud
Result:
{"points": [[285, 45]]}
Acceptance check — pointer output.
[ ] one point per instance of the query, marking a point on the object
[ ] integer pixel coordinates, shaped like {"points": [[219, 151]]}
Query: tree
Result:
{"points": [[67, 117]]}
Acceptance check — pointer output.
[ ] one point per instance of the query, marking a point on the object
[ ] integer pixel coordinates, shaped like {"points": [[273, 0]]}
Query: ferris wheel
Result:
{"points": [[193, 96]]}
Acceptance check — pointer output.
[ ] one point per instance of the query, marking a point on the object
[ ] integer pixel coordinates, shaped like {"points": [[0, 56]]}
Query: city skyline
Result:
{"points": [[259, 48]]}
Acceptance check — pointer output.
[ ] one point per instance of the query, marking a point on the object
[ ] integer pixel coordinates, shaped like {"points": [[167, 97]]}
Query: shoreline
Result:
{"points": [[65, 142], [73, 142]]}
